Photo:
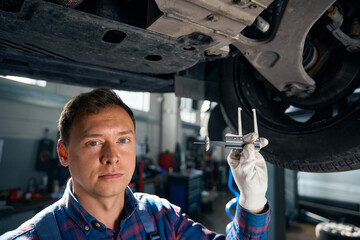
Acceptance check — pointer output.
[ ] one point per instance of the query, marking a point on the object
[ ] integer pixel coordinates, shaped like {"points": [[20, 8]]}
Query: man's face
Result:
{"points": [[100, 153]]}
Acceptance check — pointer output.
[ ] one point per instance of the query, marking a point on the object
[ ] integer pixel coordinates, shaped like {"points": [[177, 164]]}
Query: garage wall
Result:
{"points": [[148, 125], [26, 121], [21, 127], [25, 111]]}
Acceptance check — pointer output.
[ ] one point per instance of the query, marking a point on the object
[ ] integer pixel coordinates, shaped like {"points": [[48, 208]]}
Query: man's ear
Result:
{"points": [[62, 153]]}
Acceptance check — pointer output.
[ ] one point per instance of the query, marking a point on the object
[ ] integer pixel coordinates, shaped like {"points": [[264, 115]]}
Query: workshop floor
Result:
{"points": [[218, 219], [301, 231]]}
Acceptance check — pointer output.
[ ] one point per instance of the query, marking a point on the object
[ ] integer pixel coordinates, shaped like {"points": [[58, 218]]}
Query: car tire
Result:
{"points": [[336, 231], [322, 146]]}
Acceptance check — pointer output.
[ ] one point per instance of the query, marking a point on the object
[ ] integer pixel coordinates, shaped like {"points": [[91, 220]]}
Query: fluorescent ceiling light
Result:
{"points": [[40, 83]]}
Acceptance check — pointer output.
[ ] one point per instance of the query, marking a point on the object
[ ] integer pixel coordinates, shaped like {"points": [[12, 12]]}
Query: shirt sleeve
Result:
{"points": [[171, 224], [23, 232], [248, 225], [245, 225]]}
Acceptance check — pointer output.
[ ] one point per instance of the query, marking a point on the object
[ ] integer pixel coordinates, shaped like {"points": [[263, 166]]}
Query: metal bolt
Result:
{"points": [[188, 48], [290, 90], [199, 37], [253, 6], [212, 17], [211, 52], [310, 90], [332, 11], [352, 48]]}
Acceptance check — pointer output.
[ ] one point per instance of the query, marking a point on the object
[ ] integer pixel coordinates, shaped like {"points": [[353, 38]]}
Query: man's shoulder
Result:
{"points": [[27, 229], [151, 199], [156, 203], [24, 231]]}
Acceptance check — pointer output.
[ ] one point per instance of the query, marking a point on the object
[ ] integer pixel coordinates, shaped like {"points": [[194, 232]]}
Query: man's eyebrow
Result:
{"points": [[99, 135], [126, 132]]}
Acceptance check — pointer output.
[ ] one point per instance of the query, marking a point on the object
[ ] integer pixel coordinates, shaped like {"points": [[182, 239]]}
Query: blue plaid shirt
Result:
{"points": [[75, 222]]}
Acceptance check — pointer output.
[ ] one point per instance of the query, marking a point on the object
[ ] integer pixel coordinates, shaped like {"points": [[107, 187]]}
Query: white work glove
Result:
{"points": [[250, 173]]}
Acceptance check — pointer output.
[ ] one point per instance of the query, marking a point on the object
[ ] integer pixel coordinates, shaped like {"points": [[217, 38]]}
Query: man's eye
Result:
{"points": [[93, 143], [124, 140]]}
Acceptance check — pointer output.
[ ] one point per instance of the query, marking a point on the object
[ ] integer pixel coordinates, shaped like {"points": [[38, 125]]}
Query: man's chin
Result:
{"points": [[110, 190], [110, 193]]}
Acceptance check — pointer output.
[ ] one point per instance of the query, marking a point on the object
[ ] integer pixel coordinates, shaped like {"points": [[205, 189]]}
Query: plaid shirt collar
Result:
{"points": [[82, 218]]}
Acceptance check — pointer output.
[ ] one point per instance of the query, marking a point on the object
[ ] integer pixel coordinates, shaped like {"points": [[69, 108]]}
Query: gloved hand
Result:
{"points": [[250, 173]]}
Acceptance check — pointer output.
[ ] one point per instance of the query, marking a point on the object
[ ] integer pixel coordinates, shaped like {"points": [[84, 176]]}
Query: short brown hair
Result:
{"points": [[88, 103]]}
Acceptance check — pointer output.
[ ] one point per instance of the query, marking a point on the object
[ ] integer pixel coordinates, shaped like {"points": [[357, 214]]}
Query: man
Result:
{"points": [[97, 143]]}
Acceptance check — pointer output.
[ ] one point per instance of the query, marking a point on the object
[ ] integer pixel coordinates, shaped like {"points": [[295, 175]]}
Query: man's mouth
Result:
{"points": [[111, 175]]}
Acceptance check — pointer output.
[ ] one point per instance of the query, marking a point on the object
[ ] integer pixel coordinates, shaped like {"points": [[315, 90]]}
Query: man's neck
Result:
{"points": [[105, 210]]}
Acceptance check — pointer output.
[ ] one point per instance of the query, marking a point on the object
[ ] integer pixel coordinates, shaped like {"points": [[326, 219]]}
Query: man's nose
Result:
{"points": [[110, 154]]}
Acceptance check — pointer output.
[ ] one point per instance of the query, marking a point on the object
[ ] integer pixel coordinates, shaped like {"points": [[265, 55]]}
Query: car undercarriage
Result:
{"points": [[297, 62]]}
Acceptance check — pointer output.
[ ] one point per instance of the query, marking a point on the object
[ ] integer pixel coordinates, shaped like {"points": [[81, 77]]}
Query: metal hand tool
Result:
{"points": [[233, 141]]}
